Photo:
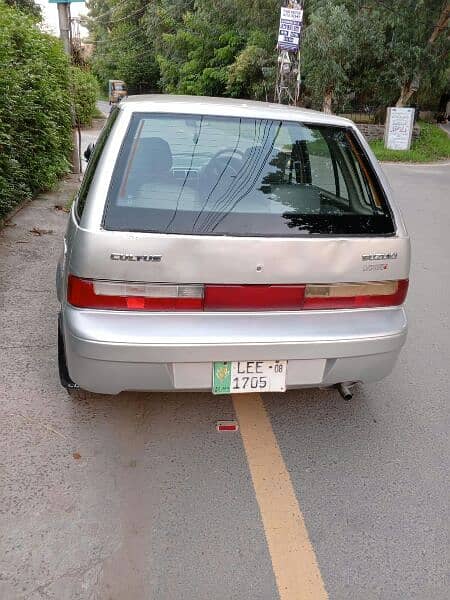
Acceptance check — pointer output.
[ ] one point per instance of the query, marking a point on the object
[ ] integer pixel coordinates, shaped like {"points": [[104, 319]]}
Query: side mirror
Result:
{"points": [[88, 151]]}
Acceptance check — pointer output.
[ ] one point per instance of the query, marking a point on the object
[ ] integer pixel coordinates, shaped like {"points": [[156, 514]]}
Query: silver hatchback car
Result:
{"points": [[230, 246]]}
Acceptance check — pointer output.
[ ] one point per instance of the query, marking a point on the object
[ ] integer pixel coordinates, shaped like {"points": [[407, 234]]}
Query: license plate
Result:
{"points": [[244, 376]]}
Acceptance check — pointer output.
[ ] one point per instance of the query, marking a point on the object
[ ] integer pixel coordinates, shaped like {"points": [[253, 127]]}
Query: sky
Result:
{"points": [[50, 14]]}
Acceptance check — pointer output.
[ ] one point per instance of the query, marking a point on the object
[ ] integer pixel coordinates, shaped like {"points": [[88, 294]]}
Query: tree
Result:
{"points": [[370, 50], [417, 46], [27, 6], [327, 53], [124, 49], [245, 75]]}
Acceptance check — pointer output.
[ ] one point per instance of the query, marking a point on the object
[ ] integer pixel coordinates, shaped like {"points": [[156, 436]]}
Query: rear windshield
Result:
{"points": [[198, 174]]}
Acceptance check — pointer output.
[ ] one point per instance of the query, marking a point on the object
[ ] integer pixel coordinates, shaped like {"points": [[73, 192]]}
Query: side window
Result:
{"points": [[343, 191], [92, 164], [325, 170], [358, 177], [363, 183]]}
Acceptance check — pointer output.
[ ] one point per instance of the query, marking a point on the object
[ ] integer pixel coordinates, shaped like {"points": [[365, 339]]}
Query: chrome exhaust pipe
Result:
{"points": [[345, 391]]}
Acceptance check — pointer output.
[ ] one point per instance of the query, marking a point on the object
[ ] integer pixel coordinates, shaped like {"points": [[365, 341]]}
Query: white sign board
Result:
{"points": [[290, 27], [399, 127]]}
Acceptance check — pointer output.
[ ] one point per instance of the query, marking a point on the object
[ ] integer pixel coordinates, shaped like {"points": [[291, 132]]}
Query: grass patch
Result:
{"points": [[433, 144]]}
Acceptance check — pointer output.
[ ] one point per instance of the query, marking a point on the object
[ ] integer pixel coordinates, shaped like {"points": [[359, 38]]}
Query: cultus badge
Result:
{"points": [[136, 257]]}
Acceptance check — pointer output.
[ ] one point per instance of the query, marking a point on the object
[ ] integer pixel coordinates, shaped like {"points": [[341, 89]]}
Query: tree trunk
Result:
{"points": [[405, 95], [441, 25], [327, 101]]}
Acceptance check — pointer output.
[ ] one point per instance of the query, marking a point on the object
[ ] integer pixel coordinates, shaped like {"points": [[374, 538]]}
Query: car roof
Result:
{"points": [[228, 107]]}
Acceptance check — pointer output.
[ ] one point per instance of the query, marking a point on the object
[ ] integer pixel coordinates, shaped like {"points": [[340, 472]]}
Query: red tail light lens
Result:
{"points": [[254, 297], [86, 293], [112, 295]]}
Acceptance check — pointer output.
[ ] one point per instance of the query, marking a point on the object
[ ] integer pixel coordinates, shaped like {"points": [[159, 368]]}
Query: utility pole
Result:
{"points": [[64, 25], [65, 35], [288, 81]]}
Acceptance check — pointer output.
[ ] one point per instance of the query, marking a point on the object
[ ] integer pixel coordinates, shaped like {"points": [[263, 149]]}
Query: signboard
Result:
{"points": [[399, 127], [290, 26]]}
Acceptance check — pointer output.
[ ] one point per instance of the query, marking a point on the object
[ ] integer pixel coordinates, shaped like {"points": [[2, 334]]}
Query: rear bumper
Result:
{"points": [[108, 352]]}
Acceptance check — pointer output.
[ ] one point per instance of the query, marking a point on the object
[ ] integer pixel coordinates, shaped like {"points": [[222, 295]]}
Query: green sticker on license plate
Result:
{"points": [[221, 378]]}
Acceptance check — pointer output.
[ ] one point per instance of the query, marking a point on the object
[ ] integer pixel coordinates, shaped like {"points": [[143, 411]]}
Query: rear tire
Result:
{"points": [[71, 387]]}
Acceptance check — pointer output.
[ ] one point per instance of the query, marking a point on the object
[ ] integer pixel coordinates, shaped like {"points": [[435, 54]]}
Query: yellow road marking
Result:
{"points": [[293, 559]]}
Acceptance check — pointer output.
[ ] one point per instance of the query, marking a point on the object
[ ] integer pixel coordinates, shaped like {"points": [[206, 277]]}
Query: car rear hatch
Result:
{"points": [[215, 213]]}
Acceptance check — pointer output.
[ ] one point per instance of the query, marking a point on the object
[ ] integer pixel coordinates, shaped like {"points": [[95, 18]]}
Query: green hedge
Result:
{"points": [[85, 90], [35, 122]]}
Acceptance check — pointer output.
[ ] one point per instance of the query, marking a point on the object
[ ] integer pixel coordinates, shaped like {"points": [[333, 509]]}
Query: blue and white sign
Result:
{"points": [[291, 20]]}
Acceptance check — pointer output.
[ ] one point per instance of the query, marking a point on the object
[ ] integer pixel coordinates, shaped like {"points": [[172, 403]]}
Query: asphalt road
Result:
{"points": [[103, 106], [446, 127], [138, 497]]}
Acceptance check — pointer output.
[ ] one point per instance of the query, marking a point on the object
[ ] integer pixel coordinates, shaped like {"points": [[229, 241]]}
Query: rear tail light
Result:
{"points": [[112, 295], [355, 295], [88, 293]]}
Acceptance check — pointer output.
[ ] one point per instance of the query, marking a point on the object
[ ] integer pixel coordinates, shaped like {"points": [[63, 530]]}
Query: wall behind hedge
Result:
{"points": [[35, 120]]}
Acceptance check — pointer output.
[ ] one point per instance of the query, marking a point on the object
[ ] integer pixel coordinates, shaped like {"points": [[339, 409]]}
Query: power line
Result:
{"points": [[109, 10], [117, 45], [134, 34], [141, 55], [112, 21], [129, 15]]}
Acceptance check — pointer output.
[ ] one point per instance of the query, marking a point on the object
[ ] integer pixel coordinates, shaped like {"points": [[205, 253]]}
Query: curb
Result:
{"points": [[4, 221], [97, 122], [415, 164]]}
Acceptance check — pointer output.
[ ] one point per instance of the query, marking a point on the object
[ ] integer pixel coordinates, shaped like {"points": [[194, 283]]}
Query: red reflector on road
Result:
{"points": [[227, 426]]}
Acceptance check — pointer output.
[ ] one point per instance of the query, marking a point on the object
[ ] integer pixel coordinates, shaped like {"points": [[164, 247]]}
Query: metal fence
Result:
{"points": [[364, 114]]}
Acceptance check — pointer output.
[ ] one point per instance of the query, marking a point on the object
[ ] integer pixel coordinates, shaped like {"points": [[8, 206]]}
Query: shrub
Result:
{"points": [[85, 92], [35, 123]]}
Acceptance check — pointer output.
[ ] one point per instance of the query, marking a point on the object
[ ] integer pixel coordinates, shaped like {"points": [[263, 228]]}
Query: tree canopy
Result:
{"points": [[27, 6], [371, 51]]}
